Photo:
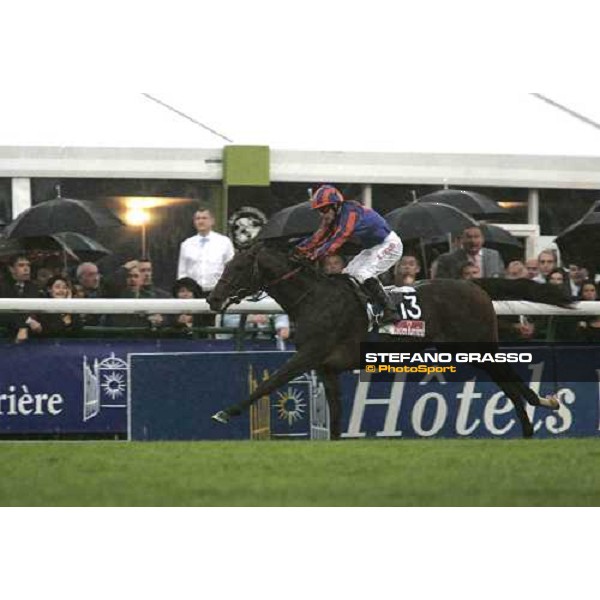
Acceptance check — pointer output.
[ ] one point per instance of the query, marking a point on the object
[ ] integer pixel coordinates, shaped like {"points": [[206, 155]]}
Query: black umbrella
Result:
{"points": [[74, 245], [428, 221], [509, 246], [62, 214], [475, 204], [83, 247], [294, 221], [580, 242]]}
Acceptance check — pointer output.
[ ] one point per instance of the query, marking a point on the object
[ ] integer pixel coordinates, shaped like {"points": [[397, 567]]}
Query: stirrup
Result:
{"points": [[221, 417]]}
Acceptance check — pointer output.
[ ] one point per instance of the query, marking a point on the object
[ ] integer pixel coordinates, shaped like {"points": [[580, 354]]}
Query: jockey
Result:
{"points": [[340, 221]]}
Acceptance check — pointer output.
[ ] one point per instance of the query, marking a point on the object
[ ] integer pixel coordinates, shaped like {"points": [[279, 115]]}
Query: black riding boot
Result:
{"points": [[379, 296]]}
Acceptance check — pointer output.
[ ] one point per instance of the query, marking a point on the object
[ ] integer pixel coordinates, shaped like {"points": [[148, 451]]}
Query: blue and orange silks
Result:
{"points": [[353, 222]]}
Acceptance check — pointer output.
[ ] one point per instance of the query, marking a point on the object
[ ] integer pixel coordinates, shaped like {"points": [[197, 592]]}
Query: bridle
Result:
{"points": [[256, 288]]}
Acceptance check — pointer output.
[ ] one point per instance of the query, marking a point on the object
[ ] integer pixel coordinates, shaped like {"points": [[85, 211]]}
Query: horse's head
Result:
{"points": [[239, 279], [247, 273]]}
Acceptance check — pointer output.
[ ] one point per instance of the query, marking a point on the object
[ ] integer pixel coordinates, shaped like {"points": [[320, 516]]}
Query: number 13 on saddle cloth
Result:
{"points": [[409, 323]]}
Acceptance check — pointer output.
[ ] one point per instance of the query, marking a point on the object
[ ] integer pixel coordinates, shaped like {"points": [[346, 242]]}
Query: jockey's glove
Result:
{"points": [[299, 255]]}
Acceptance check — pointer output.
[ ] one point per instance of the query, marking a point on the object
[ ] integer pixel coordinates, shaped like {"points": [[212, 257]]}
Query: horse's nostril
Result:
{"points": [[215, 303]]}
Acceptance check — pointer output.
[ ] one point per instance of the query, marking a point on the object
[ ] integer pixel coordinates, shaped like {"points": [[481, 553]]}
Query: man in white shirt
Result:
{"points": [[203, 256]]}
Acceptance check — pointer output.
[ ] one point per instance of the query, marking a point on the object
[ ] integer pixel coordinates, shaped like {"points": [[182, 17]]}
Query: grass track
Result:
{"points": [[349, 473]]}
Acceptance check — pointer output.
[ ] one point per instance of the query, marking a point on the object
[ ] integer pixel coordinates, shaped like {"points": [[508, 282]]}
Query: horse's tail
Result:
{"points": [[524, 289]]}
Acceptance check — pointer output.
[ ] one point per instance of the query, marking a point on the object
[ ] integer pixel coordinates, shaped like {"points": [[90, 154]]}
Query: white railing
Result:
{"points": [[267, 306], [522, 307]]}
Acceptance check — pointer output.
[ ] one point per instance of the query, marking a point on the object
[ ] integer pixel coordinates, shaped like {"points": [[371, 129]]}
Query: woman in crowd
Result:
{"points": [[55, 324], [186, 288], [589, 329], [556, 277]]}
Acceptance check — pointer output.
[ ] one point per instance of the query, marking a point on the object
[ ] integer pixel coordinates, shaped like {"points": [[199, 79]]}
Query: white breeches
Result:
{"points": [[376, 260]]}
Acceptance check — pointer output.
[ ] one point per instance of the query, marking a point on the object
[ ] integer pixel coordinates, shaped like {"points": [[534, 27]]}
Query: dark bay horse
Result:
{"points": [[331, 322]]}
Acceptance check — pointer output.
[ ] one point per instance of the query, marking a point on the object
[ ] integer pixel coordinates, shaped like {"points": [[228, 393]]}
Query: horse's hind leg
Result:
{"points": [[534, 399], [332, 392], [512, 391], [298, 364], [504, 380], [508, 373]]}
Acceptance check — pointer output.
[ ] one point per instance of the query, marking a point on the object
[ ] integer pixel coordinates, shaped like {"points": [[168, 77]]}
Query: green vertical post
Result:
{"points": [[247, 166], [243, 166]]}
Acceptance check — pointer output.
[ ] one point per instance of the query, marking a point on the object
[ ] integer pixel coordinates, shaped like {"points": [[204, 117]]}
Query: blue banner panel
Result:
{"points": [[172, 387], [471, 405], [174, 395], [411, 408], [42, 389], [72, 386], [476, 408]]}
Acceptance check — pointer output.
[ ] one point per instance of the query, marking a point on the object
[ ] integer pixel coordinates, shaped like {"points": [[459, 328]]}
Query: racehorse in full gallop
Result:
{"points": [[331, 322]]}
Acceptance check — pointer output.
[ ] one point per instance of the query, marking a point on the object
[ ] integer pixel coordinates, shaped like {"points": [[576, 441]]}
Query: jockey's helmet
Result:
{"points": [[326, 195]]}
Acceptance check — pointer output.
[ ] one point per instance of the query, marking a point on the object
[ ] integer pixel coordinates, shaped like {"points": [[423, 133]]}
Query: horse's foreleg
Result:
{"points": [[332, 392], [298, 364]]}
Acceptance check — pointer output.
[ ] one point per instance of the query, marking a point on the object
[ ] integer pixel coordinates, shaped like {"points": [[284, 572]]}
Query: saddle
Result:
{"points": [[405, 298], [410, 313], [361, 294]]}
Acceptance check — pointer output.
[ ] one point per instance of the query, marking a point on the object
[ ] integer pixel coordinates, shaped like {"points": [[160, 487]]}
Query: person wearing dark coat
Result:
{"points": [[588, 329], [18, 284], [187, 288], [489, 261], [92, 286], [129, 280], [56, 324]]}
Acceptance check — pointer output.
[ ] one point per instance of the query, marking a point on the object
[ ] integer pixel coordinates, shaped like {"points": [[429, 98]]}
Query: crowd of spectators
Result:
{"points": [[202, 258], [201, 261], [470, 259]]}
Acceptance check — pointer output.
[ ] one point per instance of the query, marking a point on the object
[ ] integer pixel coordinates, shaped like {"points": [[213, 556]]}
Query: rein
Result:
{"points": [[245, 292], [284, 277]]}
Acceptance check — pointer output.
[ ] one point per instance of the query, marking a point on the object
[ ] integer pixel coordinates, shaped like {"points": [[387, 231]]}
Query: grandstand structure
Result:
{"points": [[525, 141]]}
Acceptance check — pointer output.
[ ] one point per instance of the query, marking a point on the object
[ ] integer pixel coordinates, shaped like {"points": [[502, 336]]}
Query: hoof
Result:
{"points": [[550, 402], [221, 417]]}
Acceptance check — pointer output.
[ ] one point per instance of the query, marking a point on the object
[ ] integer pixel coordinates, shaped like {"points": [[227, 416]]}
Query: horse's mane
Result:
{"points": [[285, 247]]}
